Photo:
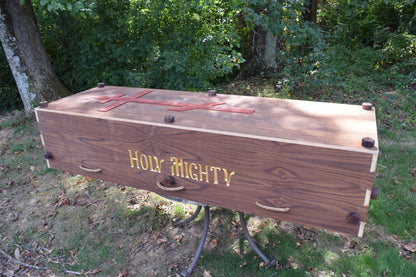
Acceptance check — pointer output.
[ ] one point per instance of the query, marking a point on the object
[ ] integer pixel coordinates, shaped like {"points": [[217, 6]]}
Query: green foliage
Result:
{"points": [[354, 40], [303, 54], [165, 44], [398, 48], [192, 43], [300, 44], [198, 44], [369, 23], [73, 6]]}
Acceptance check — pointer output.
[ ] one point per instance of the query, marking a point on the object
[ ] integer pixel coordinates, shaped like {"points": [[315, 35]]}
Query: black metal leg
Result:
{"points": [[185, 221], [200, 246], [198, 252], [252, 243]]}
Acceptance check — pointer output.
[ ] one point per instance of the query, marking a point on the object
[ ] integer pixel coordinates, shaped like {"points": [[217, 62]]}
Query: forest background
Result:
{"points": [[334, 51], [196, 45]]}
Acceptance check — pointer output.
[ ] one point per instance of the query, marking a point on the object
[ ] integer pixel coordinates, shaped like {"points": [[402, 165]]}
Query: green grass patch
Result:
{"points": [[378, 260], [395, 206]]}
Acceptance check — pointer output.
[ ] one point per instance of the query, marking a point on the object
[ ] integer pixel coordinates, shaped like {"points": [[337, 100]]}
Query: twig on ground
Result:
{"points": [[89, 204], [23, 272], [20, 263], [231, 246], [73, 272], [134, 252]]}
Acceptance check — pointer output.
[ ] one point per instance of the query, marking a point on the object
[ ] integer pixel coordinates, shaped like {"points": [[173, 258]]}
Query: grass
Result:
{"points": [[395, 208], [74, 223]]}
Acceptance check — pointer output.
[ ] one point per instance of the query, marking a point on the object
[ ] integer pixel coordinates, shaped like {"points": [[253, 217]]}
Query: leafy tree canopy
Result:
{"points": [[73, 6], [194, 45]]}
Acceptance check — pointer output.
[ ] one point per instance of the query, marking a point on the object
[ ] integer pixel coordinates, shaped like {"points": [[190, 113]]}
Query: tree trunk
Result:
{"points": [[26, 54], [311, 11], [261, 55]]}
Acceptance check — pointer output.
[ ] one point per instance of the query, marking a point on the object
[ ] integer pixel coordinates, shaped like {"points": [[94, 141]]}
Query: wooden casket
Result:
{"points": [[305, 162]]}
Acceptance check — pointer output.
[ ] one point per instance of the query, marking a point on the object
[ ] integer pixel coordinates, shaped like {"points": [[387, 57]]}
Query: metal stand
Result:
{"points": [[252, 243], [198, 252], [188, 271], [185, 221]]}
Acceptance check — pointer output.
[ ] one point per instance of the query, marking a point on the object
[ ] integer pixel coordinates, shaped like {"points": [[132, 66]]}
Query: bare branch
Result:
{"points": [[20, 263]]}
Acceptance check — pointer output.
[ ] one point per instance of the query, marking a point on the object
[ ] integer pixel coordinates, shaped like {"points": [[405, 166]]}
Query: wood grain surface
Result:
{"points": [[337, 126], [322, 180]]}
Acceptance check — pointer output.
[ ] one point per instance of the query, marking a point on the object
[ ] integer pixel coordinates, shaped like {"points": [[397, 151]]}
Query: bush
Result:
{"points": [[357, 23], [160, 44], [398, 48]]}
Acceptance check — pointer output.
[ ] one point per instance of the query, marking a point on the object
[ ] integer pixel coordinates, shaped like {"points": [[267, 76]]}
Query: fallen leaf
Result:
{"points": [[63, 201], [46, 273], [48, 251], [156, 235], [13, 217], [403, 253], [123, 274], [179, 239], [295, 266], [207, 273], [5, 202], [17, 254], [243, 263], [213, 243], [162, 240], [172, 267], [9, 273], [390, 196], [410, 247], [289, 263], [347, 244], [262, 264], [94, 271]]}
